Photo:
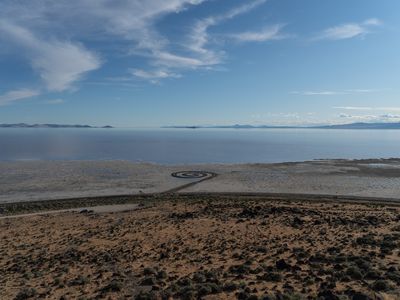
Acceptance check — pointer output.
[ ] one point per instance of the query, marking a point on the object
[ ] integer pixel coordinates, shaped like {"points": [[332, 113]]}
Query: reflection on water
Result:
{"points": [[176, 146]]}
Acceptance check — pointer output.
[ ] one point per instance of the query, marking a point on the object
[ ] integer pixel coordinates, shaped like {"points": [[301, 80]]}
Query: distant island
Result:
{"points": [[338, 126], [24, 125]]}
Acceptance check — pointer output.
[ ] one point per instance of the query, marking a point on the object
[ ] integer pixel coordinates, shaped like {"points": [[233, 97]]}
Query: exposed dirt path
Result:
{"points": [[116, 207]]}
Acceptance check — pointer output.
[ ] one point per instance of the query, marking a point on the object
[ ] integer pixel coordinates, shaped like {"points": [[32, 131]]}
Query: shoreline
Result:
{"points": [[31, 181]]}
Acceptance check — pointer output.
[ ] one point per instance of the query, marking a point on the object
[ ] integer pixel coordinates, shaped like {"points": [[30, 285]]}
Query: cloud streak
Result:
{"points": [[333, 93], [48, 33], [16, 95], [349, 30], [266, 34], [367, 108], [59, 64], [153, 76], [384, 118], [199, 37]]}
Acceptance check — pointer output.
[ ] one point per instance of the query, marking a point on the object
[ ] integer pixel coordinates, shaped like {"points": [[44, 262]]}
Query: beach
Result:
{"points": [[46, 180]]}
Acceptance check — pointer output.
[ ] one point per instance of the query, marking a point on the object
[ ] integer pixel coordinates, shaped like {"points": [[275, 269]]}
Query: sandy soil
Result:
{"points": [[92, 209], [214, 248], [39, 180]]}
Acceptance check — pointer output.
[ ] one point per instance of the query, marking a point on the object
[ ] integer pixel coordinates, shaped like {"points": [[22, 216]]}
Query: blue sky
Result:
{"points": [[183, 62]]}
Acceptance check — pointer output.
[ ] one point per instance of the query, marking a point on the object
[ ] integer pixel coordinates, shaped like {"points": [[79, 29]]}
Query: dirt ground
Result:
{"points": [[211, 248]]}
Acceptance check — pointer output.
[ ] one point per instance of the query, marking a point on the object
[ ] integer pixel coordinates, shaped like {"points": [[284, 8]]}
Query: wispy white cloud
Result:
{"points": [[61, 61], [383, 118], [52, 36], [266, 34], [198, 55], [199, 37], [369, 108], [163, 58], [316, 93], [154, 76], [59, 64], [333, 93], [349, 30], [16, 95]]}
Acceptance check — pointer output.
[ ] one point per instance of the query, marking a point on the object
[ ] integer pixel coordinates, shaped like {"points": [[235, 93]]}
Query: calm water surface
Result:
{"points": [[176, 146]]}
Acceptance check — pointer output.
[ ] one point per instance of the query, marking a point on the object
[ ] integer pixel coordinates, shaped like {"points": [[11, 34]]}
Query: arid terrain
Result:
{"points": [[211, 247]]}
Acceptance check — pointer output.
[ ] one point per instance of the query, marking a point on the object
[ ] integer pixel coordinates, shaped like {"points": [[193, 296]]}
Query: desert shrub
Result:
{"points": [[204, 290], [209, 288], [215, 288], [396, 228], [199, 277], [293, 296], [149, 271], [380, 285], [243, 295], [148, 281], [327, 295], [339, 258], [366, 240], [363, 264], [257, 270], [80, 280], [271, 276], [113, 286], [388, 243], [373, 274], [26, 293], [282, 265], [186, 293], [212, 275], [230, 287], [185, 282], [162, 275], [143, 295], [268, 297], [240, 269], [394, 275], [262, 249], [354, 273]]}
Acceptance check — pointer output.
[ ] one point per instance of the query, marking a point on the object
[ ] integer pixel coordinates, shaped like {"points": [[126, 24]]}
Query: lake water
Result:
{"points": [[178, 146]]}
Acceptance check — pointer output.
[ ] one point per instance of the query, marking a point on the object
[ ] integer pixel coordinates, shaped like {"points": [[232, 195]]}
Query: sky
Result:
{"points": [[149, 63]]}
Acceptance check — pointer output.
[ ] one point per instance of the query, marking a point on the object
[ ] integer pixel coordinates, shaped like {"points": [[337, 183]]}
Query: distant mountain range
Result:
{"points": [[363, 126], [339, 126], [24, 125]]}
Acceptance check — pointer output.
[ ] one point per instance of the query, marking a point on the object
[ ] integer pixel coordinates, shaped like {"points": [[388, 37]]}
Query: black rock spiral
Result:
{"points": [[192, 174]]}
